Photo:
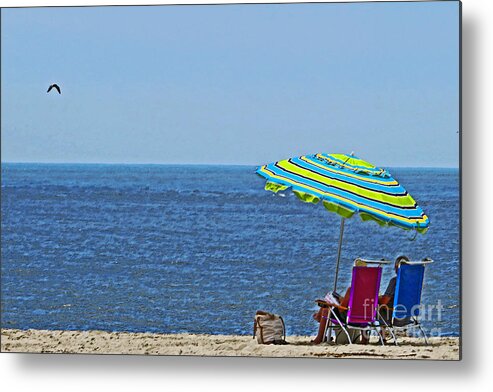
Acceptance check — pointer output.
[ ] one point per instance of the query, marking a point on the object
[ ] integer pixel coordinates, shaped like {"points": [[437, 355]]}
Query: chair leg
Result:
{"points": [[424, 334], [379, 333], [393, 336], [342, 326], [389, 328], [328, 327]]}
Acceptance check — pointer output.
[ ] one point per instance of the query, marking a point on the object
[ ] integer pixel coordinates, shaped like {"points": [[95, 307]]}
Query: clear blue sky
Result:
{"points": [[232, 84]]}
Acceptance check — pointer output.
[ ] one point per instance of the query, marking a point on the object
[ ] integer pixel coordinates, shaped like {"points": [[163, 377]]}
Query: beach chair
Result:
{"points": [[361, 313], [407, 299]]}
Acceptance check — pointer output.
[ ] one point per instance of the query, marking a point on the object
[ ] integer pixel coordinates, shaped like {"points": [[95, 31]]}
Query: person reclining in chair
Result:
{"points": [[386, 301], [388, 297], [322, 315]]}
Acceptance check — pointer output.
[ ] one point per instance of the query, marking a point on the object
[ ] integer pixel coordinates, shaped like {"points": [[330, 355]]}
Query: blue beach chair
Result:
{"points": [[407, 299]]}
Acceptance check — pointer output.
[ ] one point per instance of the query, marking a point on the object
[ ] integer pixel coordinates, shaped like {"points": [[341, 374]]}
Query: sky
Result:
{"points": [[232, 84]]}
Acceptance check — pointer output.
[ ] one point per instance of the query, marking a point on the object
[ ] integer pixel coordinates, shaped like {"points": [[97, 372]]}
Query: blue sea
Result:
{"points": [[184, 248]]}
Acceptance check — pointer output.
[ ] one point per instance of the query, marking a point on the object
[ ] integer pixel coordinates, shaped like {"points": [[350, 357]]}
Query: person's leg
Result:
{"points": [[322, 313], [365, 337], [318, 316]]}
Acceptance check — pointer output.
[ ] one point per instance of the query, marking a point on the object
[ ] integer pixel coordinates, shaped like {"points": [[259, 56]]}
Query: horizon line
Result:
{"points": [[190, 164]]}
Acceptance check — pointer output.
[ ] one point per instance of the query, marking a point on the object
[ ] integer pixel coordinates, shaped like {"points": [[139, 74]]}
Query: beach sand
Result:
{"points": [[101, 342]]}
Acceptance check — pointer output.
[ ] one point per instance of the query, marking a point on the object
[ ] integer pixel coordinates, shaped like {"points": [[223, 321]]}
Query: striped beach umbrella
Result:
{"points": [[347, 186]]}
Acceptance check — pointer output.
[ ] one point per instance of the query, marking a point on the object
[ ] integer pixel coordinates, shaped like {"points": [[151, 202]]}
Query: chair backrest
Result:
{"points": [[363, 297], [408, 287]]}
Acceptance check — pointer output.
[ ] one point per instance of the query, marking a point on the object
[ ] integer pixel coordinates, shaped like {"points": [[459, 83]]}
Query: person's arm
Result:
{"points": [[385, 299]]}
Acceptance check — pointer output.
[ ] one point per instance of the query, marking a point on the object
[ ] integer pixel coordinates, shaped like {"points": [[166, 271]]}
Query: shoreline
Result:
{"points": [[133, 343]]}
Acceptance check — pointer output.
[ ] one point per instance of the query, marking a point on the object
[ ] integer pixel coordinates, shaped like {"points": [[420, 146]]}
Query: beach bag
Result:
{"points": [[269, 328]]}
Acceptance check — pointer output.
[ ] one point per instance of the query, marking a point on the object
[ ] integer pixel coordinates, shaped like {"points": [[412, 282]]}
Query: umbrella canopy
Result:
{"points": [[347, 186]]}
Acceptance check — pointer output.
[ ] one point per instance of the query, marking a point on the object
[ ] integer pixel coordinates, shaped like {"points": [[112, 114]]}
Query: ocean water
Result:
{"points": [[169, 248]]}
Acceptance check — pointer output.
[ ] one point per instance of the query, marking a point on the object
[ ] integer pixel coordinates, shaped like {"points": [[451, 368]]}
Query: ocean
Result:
{"points": [[199, 249]]}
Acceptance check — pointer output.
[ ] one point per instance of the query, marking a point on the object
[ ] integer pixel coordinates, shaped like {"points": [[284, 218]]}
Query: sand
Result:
{"points": [[101, 342]]}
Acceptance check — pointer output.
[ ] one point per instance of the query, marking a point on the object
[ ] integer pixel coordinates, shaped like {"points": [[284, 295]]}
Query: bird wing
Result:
{"points": [[49, 88], [57, 88]]}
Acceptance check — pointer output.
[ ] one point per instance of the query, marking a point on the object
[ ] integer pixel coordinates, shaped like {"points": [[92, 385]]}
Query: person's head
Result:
{"points": [[398, 262]]}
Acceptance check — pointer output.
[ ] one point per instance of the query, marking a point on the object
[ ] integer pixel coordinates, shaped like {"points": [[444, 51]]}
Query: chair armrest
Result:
{"points": [[325, 304]]}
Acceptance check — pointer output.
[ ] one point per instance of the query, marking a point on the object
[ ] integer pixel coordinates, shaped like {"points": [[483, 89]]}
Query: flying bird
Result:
{"points": [[55, 86]]}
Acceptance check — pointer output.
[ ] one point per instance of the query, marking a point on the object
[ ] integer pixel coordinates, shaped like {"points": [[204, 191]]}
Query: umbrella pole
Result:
{"points": [[341, 233]]}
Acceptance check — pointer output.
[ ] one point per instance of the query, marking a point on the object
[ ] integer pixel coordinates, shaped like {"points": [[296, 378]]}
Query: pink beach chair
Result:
{"points": [[361, 313]]}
